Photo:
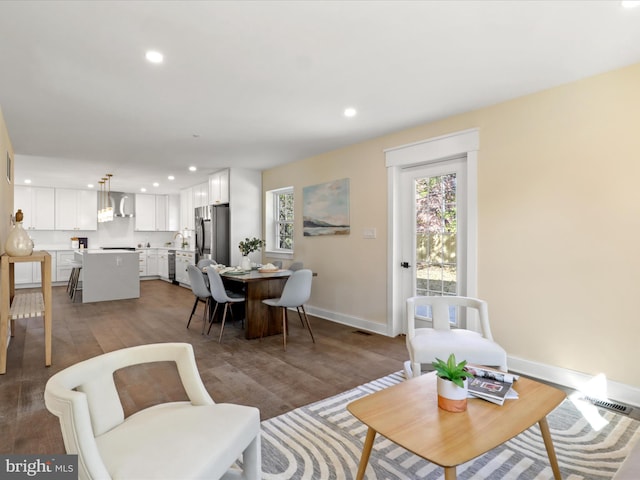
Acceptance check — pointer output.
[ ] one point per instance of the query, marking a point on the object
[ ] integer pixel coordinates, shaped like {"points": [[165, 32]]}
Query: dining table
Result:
{"points": [[258, 286]]}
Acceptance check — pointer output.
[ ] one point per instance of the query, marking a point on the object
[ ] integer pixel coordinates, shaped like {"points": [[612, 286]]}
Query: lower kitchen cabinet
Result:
{"points": [[152, 262], [163, 264], [184, 258]]}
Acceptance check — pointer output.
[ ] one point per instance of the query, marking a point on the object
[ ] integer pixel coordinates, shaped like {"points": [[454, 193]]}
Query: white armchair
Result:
{"points": [[178, 440], [427, 344]]}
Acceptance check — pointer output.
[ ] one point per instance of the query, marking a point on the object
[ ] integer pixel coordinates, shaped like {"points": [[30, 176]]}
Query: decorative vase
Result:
{"points": [[18, 244], [451, 397], [246, 263]]}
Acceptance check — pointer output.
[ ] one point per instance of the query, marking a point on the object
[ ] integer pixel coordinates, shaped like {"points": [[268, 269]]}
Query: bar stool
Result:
{"points": [[74, 279]]}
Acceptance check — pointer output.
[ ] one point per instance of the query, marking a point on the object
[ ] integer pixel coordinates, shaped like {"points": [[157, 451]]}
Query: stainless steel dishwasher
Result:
{"points": [[171, 258]]}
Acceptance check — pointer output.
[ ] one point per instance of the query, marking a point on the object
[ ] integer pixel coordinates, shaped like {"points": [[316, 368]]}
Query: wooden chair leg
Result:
{"points": [[284, 328], [224, 317], [193, 310], [213, 316], [308, 324]]}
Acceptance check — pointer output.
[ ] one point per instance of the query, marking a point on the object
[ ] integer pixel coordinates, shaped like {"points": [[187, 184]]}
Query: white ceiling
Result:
{"points": [[265, 83]]}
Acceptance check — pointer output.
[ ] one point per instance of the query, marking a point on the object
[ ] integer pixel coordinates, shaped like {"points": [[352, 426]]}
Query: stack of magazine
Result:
{"points": [[491, 385]]}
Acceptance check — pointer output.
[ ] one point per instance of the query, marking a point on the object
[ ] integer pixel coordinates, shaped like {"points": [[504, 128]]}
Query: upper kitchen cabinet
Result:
{"points": [[219, 187], [37, 205], [187, 218], [200, 194], [76, 209], [156, 213]]}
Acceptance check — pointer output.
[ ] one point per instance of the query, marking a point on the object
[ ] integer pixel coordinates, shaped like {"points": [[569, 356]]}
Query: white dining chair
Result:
{"points": [[197, 438], [222, 297], [441, 340], [296, 293]]}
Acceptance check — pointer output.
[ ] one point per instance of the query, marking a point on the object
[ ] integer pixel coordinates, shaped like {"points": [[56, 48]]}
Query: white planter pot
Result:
{"points": [[451, 397]]}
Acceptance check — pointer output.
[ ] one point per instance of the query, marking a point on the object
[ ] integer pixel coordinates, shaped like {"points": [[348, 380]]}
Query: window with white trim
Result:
{"points": [[279, 216]]}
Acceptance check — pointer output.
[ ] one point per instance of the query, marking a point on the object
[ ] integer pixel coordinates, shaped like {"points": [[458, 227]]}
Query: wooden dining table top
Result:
{"points": [[255, 275]]}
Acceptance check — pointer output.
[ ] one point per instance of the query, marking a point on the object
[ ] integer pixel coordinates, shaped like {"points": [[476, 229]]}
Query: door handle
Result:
{"points": [[405, 264]]}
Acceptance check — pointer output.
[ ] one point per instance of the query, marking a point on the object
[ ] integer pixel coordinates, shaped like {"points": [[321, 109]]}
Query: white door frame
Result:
{"points": [[464, 143]]}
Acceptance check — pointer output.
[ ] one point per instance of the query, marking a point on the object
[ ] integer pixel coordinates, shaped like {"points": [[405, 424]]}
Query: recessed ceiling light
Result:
{"points": [[630, 3], [350, 112], [143, 189], [156, 184], [192, 168], [154, 56], [90, 185], [171, 177], [27, 181]]}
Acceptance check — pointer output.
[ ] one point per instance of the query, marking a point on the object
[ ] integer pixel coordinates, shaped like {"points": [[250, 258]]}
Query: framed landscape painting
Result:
{"points": [[326, 209]]}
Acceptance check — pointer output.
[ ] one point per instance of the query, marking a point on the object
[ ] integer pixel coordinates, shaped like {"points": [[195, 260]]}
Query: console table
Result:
{"points": [[24, 305]]}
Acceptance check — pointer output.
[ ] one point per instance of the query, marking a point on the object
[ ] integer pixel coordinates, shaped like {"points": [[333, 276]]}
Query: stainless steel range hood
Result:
{"points": [[123, 204]]}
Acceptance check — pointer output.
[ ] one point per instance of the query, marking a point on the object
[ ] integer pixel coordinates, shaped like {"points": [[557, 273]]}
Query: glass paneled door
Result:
{"points": [[434, 231]]}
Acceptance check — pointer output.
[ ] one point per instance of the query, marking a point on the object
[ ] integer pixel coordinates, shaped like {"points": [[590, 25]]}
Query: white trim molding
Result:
{"points": [[572, 379], [464, 143]]}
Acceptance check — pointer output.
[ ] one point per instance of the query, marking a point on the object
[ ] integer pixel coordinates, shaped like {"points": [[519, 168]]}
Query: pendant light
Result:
{"points": [[105, 210]]}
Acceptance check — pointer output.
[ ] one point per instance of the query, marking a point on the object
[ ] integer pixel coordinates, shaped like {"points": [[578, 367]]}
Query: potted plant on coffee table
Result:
{"points": [[452, 384]]}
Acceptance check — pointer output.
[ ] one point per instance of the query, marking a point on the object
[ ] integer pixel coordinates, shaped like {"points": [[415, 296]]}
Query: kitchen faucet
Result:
{"points": [[184, 242]]}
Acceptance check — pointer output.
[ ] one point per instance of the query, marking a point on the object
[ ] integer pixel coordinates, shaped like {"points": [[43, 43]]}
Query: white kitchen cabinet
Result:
{"points": [[184, 258], [163, 263], [37, 205], [187, 214], [63, 268], [76, 209], [219, 187], [200, 194], [145, 212], [173, 224], [152, 213], [142, 260], [152, 262]]}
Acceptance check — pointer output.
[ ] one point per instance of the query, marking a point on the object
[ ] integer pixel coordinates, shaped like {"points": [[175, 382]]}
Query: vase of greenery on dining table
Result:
{"points": [[247, 246]]}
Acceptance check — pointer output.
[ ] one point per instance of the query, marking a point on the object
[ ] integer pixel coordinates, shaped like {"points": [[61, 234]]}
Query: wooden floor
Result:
{"points": [[249, 372]]}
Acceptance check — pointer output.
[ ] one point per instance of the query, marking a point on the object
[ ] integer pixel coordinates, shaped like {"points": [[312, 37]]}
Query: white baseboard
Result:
{"points": [[349, 320], [620, 392]]}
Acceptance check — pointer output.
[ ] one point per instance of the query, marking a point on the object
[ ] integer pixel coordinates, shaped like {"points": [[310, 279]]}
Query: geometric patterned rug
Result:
{"points": [[324, 441]]}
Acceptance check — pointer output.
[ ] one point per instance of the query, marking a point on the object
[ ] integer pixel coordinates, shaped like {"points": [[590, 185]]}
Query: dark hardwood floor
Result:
{"points": [[249, 372]]}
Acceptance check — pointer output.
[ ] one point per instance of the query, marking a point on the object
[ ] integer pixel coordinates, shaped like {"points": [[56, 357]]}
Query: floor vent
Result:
{"points": [[616, 407], [361, 332]]}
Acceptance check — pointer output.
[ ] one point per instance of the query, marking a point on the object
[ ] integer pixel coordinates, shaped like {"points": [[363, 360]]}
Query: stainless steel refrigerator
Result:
{"points": [[212, 233]]}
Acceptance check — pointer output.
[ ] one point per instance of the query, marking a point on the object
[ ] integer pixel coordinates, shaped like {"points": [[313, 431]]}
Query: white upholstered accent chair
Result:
{"points": [[296, 293], [178, 440], [427, 344]]}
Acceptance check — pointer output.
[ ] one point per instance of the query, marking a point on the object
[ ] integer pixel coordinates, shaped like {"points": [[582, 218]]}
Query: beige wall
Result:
{"points": [[6, 190], [558, 213]]}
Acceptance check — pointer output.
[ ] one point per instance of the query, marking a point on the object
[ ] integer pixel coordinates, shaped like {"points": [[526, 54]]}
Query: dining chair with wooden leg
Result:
{"points": [[296, 293], [201, 292], [222, 297]]}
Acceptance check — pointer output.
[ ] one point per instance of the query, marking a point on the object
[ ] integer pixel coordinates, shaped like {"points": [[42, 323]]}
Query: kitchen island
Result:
{"points": [[109, 275]]}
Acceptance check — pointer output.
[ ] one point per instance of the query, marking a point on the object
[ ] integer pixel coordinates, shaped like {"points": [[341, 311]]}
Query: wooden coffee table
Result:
{"points": [[408, 415]]}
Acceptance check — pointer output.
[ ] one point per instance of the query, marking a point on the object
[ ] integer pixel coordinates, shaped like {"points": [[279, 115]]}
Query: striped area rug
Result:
{"points": [[324, 441]]}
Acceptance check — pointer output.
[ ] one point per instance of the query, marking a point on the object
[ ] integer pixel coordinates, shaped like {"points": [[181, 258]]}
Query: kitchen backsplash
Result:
{"points": [[118, 233]]}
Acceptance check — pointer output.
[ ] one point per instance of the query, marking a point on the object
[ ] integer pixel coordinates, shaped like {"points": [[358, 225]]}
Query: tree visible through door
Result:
{"points": [[436, 235]]}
